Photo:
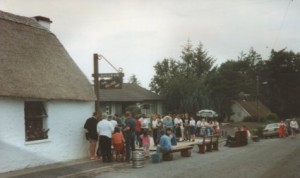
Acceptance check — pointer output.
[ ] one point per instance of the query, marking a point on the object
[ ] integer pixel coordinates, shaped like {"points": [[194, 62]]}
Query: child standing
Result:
{"points": [[146, 142], [118, 144]]}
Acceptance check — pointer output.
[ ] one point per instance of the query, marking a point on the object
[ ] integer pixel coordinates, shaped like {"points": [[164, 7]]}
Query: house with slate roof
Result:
{"points": [[115, 101], [243, 108], [44, 96]]}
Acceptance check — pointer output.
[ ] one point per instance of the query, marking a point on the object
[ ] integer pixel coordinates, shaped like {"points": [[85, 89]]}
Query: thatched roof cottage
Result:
{"points": [[44, 97], [243, 109]]}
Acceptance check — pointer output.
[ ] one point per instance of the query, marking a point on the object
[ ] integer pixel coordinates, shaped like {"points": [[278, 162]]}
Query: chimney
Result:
{"points": [[43, 21]]}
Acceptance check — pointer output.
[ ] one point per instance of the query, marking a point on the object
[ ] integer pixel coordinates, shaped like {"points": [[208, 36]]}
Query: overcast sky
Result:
{"points": [[136, 34]]}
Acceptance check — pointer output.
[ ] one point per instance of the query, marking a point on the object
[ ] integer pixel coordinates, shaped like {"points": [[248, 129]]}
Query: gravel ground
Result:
{"points": [[259, 159]]}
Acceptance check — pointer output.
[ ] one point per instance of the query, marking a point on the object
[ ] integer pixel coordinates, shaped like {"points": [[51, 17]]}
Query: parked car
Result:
{"points": [[271, 130]]}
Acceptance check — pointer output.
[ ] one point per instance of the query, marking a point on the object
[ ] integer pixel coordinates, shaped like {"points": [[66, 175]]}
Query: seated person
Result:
{"points": [[172, 136], [164, 143], [231, 138]]}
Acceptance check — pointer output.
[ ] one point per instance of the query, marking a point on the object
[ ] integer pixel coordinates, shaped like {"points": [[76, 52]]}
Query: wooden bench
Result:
{"points": [[184, 150], [209, 144]]}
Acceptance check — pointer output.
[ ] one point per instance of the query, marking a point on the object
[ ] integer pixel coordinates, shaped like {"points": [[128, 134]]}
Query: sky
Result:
{"points": [[136, 34]]}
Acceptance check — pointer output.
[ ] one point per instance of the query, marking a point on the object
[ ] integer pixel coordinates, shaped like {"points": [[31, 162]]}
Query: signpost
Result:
{"points": [[107, 80]]}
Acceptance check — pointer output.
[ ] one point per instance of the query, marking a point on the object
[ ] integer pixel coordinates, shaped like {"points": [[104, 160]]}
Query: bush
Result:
{"points": [[250, 119], [258, 131], [272, 118], [263, 119]]}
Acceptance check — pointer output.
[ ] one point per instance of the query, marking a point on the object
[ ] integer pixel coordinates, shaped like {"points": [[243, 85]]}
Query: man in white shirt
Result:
{"points": [[105, 130], [294, 127], [113, 121]]}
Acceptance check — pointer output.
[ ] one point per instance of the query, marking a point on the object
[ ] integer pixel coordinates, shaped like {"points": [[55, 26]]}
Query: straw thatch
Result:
{"points": [[255, 108], [35, 65]]}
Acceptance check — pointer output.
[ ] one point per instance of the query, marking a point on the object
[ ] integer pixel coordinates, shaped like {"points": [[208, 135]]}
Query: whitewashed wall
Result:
{"points": [[66, 136], [239, 112]]}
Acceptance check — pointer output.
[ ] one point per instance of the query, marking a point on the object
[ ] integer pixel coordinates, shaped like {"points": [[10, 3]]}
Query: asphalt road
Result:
{"points": [[270, 158]]}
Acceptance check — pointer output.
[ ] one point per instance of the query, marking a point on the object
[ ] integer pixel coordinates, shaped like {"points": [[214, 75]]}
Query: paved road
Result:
{"points": [[267, 158]]}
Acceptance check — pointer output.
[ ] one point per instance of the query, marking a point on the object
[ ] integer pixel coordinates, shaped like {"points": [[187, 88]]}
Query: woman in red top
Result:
{"points": [[281, 130], [118, 144]]}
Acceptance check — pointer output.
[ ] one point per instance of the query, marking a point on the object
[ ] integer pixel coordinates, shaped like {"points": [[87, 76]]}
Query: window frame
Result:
{"points": [[35, 117]]}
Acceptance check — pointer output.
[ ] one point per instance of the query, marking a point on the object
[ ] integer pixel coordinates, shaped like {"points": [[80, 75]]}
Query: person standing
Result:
{"points": [[178, 126], [146, 142], [168, 123], [154, 129], [113, 121], [186, 124], [294, 127], [105, 130], [92, 136], [118, 144], [138, 131], [129, 134], [192, 128], [282, 129]]}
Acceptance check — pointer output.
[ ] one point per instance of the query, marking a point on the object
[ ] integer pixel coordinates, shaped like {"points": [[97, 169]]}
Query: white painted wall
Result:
{"points": [[239, 112], [66, 136]]}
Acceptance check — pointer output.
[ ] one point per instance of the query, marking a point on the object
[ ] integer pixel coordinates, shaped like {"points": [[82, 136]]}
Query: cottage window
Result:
{"points": [[35, 121]]}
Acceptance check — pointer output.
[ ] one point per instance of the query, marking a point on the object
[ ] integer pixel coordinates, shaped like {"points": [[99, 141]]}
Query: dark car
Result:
{"points": [[271, 130]]}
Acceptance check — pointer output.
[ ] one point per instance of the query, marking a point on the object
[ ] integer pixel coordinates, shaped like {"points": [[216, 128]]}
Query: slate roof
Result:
{"points": [[251, 107], [128, 93], [34, 64]]}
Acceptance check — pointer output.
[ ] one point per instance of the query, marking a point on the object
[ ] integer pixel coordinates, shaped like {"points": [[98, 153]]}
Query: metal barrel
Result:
{"points": [[137, 159], [156, 158]]}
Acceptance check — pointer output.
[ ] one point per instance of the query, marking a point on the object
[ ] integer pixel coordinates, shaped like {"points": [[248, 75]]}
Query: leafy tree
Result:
{"points": [[282, 76], [181, 81], [133, 80], [165, 70], [223, 84]]}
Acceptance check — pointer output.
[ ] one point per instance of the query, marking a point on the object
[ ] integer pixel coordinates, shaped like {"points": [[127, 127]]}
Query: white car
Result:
{"points": [[271, 130]]}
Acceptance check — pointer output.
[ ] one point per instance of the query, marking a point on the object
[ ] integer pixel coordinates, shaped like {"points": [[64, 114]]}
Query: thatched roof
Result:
{"points": [[35, 65], [255, 108], [128, 93]]}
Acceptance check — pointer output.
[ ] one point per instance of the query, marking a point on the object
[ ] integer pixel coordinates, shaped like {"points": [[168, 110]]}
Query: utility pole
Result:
{"points": [[96, 83], [257, 95]]}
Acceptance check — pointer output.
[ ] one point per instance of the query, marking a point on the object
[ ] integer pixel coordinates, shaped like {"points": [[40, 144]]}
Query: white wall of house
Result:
{"points": [[66, 140], [239, 112]]}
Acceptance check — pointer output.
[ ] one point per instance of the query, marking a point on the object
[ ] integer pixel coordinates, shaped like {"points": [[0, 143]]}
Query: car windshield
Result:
{"points": [[270, 126]]}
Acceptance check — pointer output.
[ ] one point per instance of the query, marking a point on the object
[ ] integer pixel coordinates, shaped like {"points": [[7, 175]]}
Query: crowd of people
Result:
{"points": [[124, 133]]}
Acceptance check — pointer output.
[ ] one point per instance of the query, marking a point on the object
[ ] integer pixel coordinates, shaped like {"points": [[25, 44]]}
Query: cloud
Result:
{"points": [[135, 34]]}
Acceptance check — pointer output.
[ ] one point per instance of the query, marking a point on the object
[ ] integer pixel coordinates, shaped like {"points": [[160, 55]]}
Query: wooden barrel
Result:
{"points": [[137, 159], [167, 156], [186, 153]]}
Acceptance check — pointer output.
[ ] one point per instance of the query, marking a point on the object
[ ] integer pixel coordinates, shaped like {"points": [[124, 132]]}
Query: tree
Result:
{"points": [[165, 70], [181, 81], [133, 80], [224, 83], [282, 75]]}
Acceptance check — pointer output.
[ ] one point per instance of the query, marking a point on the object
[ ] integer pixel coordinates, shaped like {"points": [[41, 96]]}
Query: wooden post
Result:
{"points": [[96, 83]]}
